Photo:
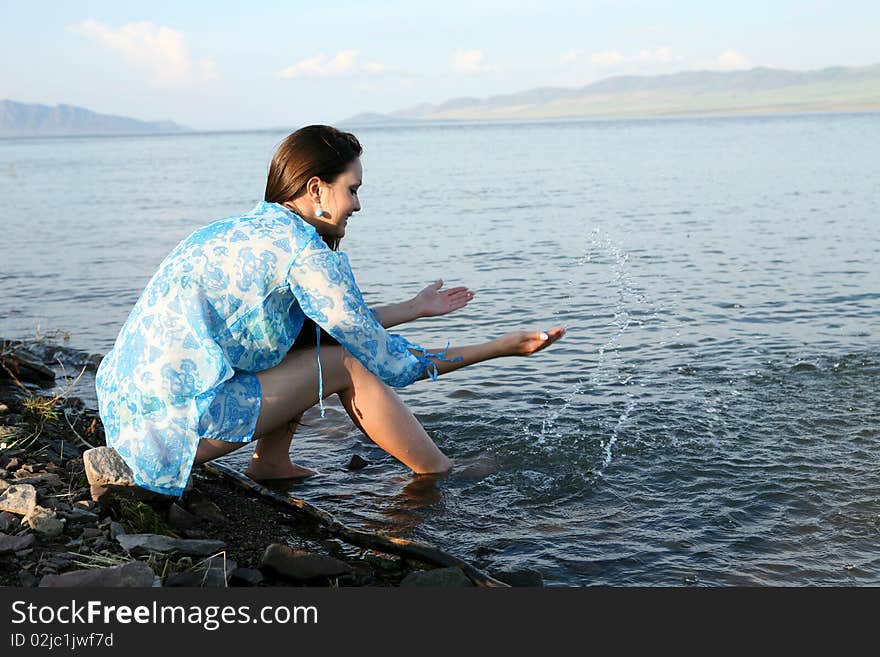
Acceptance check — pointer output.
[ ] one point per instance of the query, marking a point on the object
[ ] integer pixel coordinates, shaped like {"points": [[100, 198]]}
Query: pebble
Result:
{"points": [[91, 532], [44, 522], [20, 499], [27, 579], [8, 521], [15, 544], [357, 463]]}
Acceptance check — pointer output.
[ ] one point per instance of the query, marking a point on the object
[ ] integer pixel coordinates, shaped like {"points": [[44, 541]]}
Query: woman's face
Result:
{"points": [[339, 200]]}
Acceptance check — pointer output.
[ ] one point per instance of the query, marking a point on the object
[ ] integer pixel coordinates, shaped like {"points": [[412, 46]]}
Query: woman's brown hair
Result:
{"points": [[316, 150]]}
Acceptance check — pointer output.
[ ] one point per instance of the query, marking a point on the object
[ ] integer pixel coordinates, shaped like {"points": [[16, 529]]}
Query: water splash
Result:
{"points": [[608, 369]]}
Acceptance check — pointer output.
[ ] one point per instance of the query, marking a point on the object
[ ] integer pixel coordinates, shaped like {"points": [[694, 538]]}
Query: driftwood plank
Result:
{"points": [[390, 545]]}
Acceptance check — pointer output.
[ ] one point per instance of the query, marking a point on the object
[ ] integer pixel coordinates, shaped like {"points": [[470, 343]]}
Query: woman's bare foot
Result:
{"points": [[261, 470]]}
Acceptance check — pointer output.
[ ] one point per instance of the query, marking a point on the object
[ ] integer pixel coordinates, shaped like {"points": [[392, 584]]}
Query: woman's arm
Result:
{"points": [[430, 302], [518, 343]]}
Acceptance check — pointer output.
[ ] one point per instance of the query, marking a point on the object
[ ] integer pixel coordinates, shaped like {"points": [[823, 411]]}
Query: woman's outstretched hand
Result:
{"points": [[525, 343], [431, 301]]}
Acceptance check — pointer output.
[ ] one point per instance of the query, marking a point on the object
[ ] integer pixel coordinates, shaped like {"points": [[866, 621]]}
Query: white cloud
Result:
{"points": [[161, 51], [471, 61], [730, 60], [345, 62]]}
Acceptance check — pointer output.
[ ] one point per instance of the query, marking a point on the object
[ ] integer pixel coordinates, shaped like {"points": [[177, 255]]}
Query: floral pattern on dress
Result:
{"points": [[228, 301]]}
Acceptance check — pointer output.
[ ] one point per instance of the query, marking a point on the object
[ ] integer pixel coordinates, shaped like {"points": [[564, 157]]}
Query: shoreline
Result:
{"points": [[53, 534]]}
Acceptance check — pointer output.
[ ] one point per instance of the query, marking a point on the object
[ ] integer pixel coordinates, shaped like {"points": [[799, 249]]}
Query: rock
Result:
{"points": [[212, 573], [116, 530], [8, 521], [245, 577], [143, 543], [179, 518], [26, 367], [195, 533], [44, 522], [91, 532], [186, 578], [79, 514], [522, 577], [27, 579], [14, 463], [60, 562], [9, 544], [104, 467], [300, 565], [48, 479], [131, 574], [3, 409], [93, 361], [357, 463], [19, 499], [201, 506], [4, 484], [215, 571], [382, 563], [449, 577]]}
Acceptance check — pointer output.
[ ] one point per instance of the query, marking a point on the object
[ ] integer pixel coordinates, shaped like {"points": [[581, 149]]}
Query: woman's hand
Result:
{"points": [[431, 302], [525, 343]]}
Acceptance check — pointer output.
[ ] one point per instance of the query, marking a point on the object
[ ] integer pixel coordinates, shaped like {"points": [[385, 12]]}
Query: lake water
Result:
{"points": [[711, 418]]}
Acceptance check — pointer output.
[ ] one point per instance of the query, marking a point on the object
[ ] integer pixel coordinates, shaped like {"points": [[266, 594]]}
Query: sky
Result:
{"points": [[272, 64]]}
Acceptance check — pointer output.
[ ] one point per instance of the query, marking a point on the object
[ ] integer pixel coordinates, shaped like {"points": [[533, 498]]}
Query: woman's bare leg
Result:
{"points": [[377, 410], [290, 388]]}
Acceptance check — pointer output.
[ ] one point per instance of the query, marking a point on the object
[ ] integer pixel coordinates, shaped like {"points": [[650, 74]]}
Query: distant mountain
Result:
{"points": [[373, 118], [760, 90], [25, 120]]}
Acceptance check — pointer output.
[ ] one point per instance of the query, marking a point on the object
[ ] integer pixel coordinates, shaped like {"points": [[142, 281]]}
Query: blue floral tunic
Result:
{"points": [[229, 301]]}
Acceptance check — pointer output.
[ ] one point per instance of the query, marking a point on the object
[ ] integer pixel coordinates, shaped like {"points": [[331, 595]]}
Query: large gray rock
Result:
{"points": [[9, 544], [20, 499], [44, 522], [300, 565], [449, 577], [104, 467], [145, 543], [131, 574]]}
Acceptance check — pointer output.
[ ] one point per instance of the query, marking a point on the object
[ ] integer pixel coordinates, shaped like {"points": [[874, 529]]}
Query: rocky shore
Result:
{"points": [[220, 533]]}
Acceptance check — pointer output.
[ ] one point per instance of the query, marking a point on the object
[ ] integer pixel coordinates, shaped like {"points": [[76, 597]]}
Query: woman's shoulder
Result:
{"points": [[267, 223]]}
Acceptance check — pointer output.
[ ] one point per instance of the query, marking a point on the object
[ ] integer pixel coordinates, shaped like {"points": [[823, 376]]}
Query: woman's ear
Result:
{"points": [[313, 189]]}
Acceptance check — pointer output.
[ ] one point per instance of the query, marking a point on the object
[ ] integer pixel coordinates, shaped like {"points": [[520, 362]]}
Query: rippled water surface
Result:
{"points": [[711, 416]]}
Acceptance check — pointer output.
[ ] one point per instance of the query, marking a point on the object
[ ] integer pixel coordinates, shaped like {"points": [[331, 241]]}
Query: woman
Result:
{"points": [[204, 363]]}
